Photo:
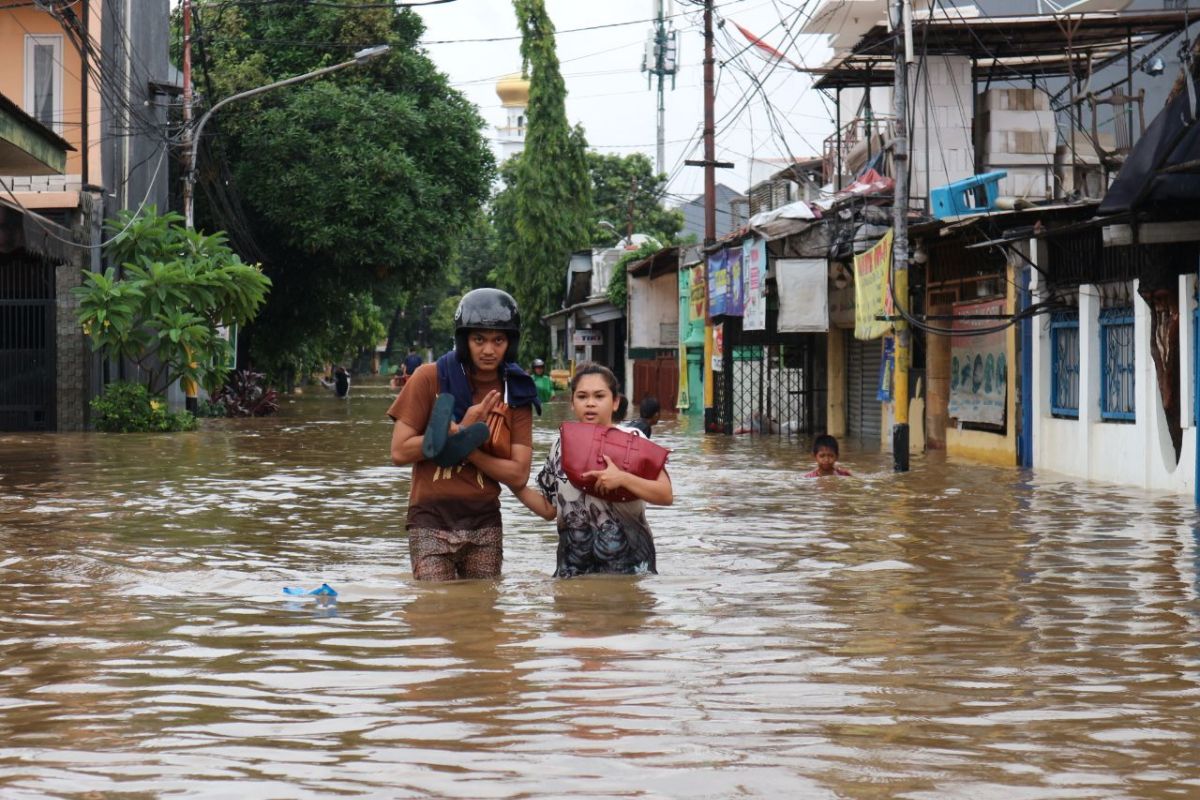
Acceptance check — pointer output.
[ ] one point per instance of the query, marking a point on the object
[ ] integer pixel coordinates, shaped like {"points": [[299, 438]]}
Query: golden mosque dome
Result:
{"points": [[513, 90]]}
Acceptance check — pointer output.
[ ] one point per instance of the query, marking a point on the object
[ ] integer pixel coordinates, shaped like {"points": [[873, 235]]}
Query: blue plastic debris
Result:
{"points": [[324, 590], [974, 195]]}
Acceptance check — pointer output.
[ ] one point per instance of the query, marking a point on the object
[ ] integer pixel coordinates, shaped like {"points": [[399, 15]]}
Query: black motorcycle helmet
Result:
{"points": [[487, 310]]}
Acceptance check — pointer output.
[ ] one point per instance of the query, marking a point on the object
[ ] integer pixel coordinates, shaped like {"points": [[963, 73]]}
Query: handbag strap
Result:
{"points": [[598, 443]]}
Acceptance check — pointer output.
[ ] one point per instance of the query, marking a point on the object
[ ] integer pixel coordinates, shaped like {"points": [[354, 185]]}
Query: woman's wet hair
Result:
{"points": [[591, 368]]}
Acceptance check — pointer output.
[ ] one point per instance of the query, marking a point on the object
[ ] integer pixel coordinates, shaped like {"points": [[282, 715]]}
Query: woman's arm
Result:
{"points": [[536, 502], [657, 492]]}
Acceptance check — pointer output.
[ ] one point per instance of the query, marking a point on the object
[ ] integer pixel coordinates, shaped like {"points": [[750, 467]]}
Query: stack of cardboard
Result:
{"points": [[1015, 132]]}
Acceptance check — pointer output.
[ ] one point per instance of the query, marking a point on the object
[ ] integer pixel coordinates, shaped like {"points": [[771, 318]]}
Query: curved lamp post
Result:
{"points": [[361, 57]]}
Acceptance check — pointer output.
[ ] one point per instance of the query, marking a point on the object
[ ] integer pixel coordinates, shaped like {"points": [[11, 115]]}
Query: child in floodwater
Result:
{"points": [[825, 451], [597, 535]]}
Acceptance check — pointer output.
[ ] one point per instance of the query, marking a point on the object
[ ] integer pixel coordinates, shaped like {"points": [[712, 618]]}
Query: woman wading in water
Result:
{"points": [[594, 534]]}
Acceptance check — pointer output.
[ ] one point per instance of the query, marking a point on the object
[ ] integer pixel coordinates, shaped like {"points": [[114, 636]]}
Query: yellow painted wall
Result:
{"points": [[835, 380], [15, 25], [982, 446]]}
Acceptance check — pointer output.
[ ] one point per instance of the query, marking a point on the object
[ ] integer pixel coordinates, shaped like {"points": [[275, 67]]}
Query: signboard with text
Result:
{"points": [[872, 290], [754, 282], [978, 364], [585, 337]]}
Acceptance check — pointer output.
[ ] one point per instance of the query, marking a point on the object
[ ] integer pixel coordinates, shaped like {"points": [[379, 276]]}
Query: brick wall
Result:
{"points": [[72, 352]]}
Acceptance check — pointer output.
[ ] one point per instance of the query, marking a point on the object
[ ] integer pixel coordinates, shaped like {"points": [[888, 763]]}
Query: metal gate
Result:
{"points": [[27, 375], [772, 384], [863, 410]]}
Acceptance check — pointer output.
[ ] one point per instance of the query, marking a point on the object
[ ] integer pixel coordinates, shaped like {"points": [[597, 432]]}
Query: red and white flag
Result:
{"points": [[766, 48]]}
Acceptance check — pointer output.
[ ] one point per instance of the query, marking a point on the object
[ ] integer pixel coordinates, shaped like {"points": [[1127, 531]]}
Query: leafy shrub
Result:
{"points": [[209, 408], [245, 395], [128, 408]]}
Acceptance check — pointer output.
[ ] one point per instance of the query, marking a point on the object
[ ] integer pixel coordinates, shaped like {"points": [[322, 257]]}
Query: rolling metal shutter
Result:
{"points": [[863, 410]]}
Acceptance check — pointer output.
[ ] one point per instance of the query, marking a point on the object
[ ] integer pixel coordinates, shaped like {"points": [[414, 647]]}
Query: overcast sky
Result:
{"points": [[609, 96]]}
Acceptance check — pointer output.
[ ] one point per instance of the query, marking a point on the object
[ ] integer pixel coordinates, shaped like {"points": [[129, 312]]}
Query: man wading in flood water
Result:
{"points": [[441, 421]]}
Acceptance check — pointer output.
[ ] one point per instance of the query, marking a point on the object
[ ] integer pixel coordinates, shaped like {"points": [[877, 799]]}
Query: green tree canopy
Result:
{"points": [[549, 208], [355, 186], [617, 179]]}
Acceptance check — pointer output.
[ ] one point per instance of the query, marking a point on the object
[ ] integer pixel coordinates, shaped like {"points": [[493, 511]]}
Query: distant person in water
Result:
{"points": [[825, 451], [412, 361], [648, 412], [545, 385], [597, 535], [339, 382]]}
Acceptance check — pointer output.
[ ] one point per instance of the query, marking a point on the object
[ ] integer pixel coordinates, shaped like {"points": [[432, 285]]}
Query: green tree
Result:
{"points": [[618, 179], [355, 186], [165, 312], [550, 201]]}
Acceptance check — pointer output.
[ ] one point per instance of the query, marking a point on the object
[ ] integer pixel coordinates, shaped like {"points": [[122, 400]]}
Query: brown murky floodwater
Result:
{"points": [[955, 632]]}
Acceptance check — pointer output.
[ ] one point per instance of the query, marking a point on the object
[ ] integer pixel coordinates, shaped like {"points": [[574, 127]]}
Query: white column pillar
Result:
{"points": [[1041, 359], [1089, 370], [1187, 355], [1150, 419]]}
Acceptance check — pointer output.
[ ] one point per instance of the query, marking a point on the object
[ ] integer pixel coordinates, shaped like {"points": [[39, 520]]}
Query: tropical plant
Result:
{"points": [[551, 194], [246, 395], [166, 307], [126, 407], [355, 187]]}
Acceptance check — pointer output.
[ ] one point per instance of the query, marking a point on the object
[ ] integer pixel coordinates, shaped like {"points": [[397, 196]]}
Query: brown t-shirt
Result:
{"points": [[452, 498]]}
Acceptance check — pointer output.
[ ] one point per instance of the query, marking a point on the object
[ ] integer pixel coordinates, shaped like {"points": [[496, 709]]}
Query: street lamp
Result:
{"points": [[361, 57]]}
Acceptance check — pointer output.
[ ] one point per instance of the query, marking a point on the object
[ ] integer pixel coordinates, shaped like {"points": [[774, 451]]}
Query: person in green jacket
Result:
{"points": [[545, 386]]}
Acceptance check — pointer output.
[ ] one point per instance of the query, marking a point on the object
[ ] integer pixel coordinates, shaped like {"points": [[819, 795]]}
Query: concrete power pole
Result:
{"points": [[901, 17], [710, 165], [188, 207]]}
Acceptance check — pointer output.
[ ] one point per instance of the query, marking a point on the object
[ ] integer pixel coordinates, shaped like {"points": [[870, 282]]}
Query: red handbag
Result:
{"points": [[584, 446]]}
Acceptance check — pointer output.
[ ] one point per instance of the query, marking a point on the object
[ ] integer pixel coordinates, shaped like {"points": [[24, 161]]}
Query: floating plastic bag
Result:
{"points": [[324, 590]]}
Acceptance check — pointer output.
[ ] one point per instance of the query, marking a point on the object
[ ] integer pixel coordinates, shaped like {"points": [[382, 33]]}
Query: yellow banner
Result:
{"points": [[872, 294], [696, 295]]}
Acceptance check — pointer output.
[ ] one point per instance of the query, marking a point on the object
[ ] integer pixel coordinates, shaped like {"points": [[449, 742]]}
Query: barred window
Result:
{"points": [[1064, 364], [1116, 364]]}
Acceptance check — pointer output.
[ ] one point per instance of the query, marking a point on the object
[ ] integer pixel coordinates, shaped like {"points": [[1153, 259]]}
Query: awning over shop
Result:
{"points": [[1038, 44], [589, 312]]}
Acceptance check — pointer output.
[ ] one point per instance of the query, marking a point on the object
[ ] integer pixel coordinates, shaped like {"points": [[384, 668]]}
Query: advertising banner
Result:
{"points": [[872, 296], [978, 365], [735, 303], [718, 349], [754, 279], [718, 284], [887, 369]]}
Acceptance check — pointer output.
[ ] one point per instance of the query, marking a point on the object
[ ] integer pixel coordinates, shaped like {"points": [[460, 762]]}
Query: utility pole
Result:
{"points": [[633, 188], [710, 201], [187, 113], [190, 389], [660, 60], [902, 23]]}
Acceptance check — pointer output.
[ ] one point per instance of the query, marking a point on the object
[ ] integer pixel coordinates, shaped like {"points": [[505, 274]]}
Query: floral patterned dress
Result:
{"points": [[595, 535]]}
